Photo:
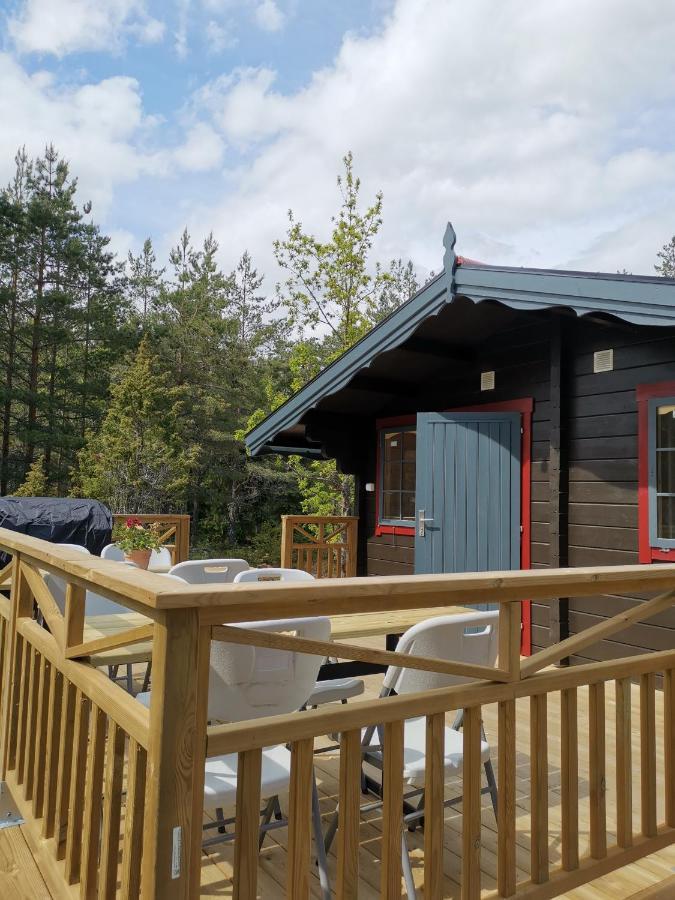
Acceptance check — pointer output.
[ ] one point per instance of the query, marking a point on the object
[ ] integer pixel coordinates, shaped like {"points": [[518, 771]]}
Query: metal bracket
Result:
{"points": [[9, 814]]}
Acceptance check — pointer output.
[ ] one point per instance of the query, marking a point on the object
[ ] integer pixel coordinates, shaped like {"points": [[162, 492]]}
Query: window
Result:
{"points": [[662, 472], [656, 471], [397, 476]]}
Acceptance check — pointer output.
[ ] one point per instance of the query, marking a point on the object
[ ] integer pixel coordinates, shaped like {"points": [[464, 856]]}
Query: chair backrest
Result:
{"points": [[273, 575], [114, 552], [247, 682], [209, 571], [160, 560], [448, 638], [77, 547], [94, 604]]}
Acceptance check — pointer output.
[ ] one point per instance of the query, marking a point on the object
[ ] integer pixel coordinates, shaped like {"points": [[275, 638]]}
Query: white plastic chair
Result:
{"points": [[160, 561], [471, 637], [247, 682], [209, 571], [330, 690], [272, 574], [77, 547], [114, 552]]}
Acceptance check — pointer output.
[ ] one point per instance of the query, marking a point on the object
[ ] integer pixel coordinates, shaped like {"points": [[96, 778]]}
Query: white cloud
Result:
{"points": [[60, 27], [219, 37], [95, 126], [539, 138], [268, 16], [202, 150]]}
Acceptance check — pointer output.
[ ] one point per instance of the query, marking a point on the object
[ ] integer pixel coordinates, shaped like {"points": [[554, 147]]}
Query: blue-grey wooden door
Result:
{"points": [[467, 492]]}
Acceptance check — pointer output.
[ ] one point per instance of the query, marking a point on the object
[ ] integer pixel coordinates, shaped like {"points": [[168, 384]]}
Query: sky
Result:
{"points": [[543, 130]]}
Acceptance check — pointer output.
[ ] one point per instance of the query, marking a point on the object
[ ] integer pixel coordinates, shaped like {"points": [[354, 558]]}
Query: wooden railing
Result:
{"points": [[175, 535], [112, 793], [324, 546]]}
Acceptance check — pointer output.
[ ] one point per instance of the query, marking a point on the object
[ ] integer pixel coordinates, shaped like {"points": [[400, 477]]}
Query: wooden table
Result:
{"points": [[345, 628]]}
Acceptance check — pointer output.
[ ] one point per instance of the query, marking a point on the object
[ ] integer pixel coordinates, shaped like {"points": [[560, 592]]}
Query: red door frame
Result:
{"points": [[525, 407]]}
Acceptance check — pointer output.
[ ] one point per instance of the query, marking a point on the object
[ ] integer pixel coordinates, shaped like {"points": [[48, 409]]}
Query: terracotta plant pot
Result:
{"points": [[140, 558]]}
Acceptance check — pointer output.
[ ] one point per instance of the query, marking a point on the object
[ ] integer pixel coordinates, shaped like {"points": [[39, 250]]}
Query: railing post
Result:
{"points": [[286, 542], [509, 639], [176, 754]]}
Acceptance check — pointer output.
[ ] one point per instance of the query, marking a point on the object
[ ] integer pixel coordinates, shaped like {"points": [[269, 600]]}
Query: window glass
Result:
{"points": [[665, 472], [398, 475]]}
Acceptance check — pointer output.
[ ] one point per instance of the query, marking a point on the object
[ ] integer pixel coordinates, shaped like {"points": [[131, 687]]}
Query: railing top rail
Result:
{"points": [[153, 517], [319, 520], [335, 596]]}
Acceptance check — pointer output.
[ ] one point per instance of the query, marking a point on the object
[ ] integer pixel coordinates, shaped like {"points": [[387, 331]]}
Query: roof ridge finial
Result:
{"points": [[450, 257]]}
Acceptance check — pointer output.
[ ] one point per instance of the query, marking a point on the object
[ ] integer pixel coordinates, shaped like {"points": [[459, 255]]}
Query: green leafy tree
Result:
{"points": [[137, 461], [333, 294]]}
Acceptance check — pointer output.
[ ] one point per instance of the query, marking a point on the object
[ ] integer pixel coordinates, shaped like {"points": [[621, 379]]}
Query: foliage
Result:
{"points": [[134, 535], [134, 382], [35, 484], [666, 255], [137, 461], [334, 295]]}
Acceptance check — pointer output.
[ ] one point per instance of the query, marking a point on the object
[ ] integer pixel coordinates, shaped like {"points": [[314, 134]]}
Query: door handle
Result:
{"points": [[422, 522]]}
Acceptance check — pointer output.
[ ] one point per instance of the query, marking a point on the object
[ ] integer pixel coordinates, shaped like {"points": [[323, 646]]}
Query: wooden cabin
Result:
{"points": [[507, 418]]}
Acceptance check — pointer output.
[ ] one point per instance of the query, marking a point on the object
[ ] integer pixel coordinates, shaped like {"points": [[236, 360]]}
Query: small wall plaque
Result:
{"points": [[603, 361], [487, 381]]}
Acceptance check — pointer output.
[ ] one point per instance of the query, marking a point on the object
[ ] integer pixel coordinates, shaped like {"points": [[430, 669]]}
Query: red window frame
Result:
{"points": [[645, 393], [523, 405]]}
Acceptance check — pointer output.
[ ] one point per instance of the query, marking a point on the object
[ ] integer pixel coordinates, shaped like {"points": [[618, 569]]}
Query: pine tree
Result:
{"points": [[137, 461], [35, 484], [666, 254]]}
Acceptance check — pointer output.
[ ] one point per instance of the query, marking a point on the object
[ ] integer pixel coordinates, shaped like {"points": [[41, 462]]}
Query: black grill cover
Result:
{"points": [[85, 522]]}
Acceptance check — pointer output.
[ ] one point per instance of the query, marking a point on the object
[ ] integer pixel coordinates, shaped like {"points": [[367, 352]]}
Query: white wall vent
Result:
{"points": [[603, 361], [487, 381]]}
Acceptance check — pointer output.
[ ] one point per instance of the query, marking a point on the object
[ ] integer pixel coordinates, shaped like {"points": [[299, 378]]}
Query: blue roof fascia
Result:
{"points": [[641, 301]]}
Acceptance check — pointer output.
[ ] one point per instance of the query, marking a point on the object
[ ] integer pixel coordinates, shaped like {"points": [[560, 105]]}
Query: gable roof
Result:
{"points": [[640, 300]]}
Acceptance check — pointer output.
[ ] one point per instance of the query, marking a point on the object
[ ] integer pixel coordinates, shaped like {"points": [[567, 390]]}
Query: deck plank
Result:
{"points": [[20, 877]]}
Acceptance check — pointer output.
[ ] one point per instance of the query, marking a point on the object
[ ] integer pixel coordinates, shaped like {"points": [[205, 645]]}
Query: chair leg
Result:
{"points": [[492, 784], [331, 831], [407, 870], [220, 817], [267, 815], [146, 678], [130, 679], [319, 842]]}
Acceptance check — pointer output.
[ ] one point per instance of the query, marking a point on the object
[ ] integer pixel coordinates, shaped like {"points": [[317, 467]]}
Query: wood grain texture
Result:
{"points": [[392, 810], [569, 778], [539, 777], [349, 816], [434, 793], [596, 776], [506, 807], [93, 805], [300, 819], [78, 776], [112, 808], [624, 764], [247, 833], [471, 779], [648, 754], [133, 821]]}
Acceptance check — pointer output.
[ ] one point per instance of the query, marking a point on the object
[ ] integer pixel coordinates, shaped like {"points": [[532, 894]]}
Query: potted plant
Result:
{"points": [[138, 541]]}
